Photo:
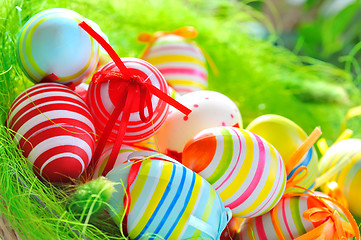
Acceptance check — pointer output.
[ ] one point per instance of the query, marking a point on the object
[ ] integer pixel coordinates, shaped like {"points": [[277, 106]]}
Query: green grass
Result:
{"points": [[260, 77]]}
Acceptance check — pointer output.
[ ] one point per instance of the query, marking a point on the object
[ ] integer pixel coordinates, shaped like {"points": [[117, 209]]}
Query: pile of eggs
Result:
{"points": [[186, 175]]}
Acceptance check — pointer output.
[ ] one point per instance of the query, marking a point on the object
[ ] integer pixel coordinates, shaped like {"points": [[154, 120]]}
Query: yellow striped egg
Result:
{"points": [[346, 157], [246, 171], [167, 200], [180, 61], [52, 42]]}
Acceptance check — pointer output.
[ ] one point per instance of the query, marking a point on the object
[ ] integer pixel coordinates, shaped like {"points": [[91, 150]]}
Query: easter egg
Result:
{"points": [[209, 109], [122, 157], [246, 171], [54, 129], [286, 136], [52, 42], [345, 158], [180, 61], [167, 201], [289, 218], [104, 96]]}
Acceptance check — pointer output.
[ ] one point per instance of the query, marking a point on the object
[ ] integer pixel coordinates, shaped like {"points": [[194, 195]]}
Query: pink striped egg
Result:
{"points": [[103, 97], [246, 171], [289, 219], [54, 129], [181, 62]]}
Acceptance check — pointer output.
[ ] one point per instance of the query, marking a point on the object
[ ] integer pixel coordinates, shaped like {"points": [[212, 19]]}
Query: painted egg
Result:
{"points": [[122, 157], [54, 129], [52, 42], [286, 136], [209, 109], [181, 62], [345, 158], [289, 218], [167, 201], [104, 96], [246, 171]]}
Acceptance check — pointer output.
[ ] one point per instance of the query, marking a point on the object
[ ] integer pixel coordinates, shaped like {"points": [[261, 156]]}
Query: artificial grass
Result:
{"points": [[259, 76]]}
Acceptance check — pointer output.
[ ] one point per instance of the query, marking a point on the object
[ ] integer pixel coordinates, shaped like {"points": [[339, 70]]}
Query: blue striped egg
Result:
{"points": [[167, 200]]}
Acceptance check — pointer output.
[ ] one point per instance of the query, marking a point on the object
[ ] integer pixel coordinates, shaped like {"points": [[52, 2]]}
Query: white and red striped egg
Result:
{"points": [[103, 97], [54, 129]]}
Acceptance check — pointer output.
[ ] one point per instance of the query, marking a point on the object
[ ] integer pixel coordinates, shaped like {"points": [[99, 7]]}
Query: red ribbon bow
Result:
{"points": [[125, 102]]}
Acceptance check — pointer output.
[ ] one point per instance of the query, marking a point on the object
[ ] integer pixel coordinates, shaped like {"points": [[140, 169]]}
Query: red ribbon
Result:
{"points": [[125, 102]]}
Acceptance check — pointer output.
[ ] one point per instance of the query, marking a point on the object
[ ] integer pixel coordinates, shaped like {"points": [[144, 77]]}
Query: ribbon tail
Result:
{"points": [[168, 99], [103, 138], [301, 151], [275, 224], [113, 55], [121, 131], [133, 172]]}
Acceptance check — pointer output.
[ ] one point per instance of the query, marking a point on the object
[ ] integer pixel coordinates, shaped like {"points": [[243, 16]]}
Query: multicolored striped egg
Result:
{"points": [[167, 200], [209, 109], [246, 171], [345, 158], [122, 157], [181, 62], [286, 136], [52, 42], [289, 218], [104, 96], [54, 129]]}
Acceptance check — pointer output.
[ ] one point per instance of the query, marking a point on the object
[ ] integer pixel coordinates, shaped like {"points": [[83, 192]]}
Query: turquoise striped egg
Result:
{"points": [[167, 200], [246, 171], [52, 42]]}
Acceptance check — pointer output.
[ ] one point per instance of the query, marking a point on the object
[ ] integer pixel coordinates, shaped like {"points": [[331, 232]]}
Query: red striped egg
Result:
{"points": [[54, 129], [104, 96]]}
